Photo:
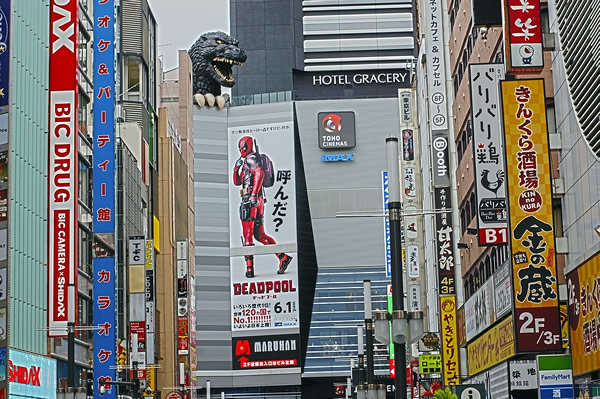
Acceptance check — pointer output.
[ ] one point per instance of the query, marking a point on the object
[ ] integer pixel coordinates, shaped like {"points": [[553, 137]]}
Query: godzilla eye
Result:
{"points": [[219, 42]]}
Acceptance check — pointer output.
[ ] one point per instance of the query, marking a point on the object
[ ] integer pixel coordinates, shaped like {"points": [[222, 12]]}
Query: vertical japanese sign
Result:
{"points": [[488, 150], [104, 113], [104, 191], [62, 167], [531, 224], [444, 241], [450, 348], [104, 321], [524, 36], [4, 52], [583, 291], [138, 329], [149, 293], [438, 97], [386, 224], [182, 298]]}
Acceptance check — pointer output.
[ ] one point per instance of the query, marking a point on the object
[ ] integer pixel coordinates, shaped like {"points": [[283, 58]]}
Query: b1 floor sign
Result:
{"points": [[474, 391]]}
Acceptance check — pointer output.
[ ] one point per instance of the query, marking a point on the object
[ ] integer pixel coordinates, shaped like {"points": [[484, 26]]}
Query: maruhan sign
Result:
{"points": [[360, 79]]}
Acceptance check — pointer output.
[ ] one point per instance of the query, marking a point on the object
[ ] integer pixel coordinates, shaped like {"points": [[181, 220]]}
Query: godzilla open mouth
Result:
{"points": [[223, 68]]}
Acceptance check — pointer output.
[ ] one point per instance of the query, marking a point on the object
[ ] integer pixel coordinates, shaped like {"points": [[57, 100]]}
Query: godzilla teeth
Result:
{"points": [[227, 60], [226, 78]]}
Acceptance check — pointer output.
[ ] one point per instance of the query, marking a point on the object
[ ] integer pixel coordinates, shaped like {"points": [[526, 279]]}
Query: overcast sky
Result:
{"points": [[180, 22]]}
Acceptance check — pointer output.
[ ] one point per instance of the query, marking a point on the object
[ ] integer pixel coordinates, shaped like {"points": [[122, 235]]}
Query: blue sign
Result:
{"points": [[4, 53], [388, 243], [337, 157], [31, 376], [557, 391], [104, 321], [104, 117], [2, 364]]}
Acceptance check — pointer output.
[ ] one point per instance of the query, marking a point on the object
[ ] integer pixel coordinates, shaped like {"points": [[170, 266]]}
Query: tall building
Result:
{"points": [[481, 58], [353, 69], [295, 52], [138, 231], [176, 278], [35, 305], [576, 78]]}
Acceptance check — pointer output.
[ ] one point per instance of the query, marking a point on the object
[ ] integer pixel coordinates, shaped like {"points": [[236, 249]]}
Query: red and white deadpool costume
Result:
{"points": [[248, 173]]}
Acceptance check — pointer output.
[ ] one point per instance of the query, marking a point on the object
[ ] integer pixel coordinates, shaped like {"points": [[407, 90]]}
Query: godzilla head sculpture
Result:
{"points": [[213, 56]]}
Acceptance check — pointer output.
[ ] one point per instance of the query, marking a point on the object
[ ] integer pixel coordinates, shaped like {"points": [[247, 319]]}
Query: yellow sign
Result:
{"points": [[151, 380], [449, 339], [529, 187], [493, 347], [583, 292], [430, 364], [564, 326]]}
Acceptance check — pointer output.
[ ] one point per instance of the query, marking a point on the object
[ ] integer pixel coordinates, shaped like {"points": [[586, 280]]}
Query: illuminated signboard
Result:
{"points": [[63, 164], [531, 220]]}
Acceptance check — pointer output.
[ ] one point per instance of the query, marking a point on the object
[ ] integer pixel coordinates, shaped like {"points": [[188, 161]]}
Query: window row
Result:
{"points": [[468, 211], [480, 273], [463, 62]]}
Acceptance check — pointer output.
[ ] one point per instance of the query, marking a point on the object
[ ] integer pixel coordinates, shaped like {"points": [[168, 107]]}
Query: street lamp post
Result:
{"points": [[395, 208]]}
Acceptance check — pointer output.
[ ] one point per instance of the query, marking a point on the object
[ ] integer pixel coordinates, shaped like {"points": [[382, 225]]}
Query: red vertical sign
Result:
{"points": [[62, 167], [524, 38]]}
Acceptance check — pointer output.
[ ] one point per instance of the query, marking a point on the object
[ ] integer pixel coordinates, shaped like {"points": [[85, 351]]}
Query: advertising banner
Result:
{"points": [[438, 98], [430, 364], [149, 293], [494, 346], [2, 364], [31, 376], [531, 219], [104, 320], [479, 313], [138, 328], [524, 38], [104, 117], [63, 164], [502, 291], [4, 52], [488, 150], [262, 198], [555, 376], [583, 285], [386, 223], [523, 379], [449, 339], [183, 332], [444, 241], [3, 282], [270, 351]]}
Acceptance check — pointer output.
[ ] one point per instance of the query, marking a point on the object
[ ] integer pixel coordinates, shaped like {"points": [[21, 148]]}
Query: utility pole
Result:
{"points": [[395, 215], [369, 331]]}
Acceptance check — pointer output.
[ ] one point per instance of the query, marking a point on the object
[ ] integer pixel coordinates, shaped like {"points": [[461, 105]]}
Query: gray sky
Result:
{"points": [[180, 22]]}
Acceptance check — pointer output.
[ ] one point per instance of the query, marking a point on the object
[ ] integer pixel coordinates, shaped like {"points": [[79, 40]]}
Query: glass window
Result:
{"points": [[84, 187], [133, 79], [82, 51], [84, 252], [83, 115]]}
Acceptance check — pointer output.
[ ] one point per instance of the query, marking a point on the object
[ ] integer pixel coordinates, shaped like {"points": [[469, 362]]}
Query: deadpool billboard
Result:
{"points": [[269, 351]]}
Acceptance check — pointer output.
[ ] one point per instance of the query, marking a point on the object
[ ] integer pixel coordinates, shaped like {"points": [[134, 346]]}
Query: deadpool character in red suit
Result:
{"points": [[248, 173]]}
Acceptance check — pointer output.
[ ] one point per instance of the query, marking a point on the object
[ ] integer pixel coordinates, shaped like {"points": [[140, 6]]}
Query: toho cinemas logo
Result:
{"points": [[23, 375]]}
